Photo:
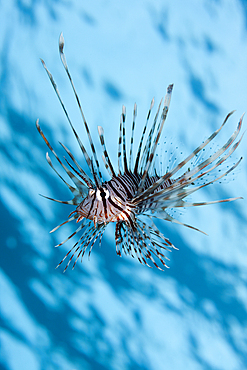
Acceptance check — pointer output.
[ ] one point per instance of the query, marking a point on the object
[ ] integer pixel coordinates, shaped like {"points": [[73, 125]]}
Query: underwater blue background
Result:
{"points": [[111, 312]]}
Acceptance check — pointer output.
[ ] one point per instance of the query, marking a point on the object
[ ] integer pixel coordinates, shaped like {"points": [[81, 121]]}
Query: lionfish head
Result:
{"points": [[92, 207]]}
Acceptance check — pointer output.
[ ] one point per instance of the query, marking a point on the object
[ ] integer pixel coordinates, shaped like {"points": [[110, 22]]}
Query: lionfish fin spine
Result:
{"points": [[198, 168], [82, 173], [71, 188], [147, 147], [151, 156], [70, 202], [222, 149], [120, 167], [88, 160], [69, 173], [124, 140], [132, 136], [71, 236], [65, 222], [198, 204], [105, 153], [63, 59], [142, 138], [95, 176], [165, 216], [83, 189]]}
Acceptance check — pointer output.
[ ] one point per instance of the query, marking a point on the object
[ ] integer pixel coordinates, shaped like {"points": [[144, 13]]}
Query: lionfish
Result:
{"points": [[135, 191]]}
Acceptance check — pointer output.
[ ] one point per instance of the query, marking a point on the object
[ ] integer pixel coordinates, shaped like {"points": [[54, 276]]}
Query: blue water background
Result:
{"points": [[111, 312]]}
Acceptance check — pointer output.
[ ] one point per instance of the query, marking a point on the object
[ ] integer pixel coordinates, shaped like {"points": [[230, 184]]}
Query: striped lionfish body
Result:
{"points": [[135, 190]]}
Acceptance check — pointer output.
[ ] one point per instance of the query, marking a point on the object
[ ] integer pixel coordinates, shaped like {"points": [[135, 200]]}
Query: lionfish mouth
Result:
{"points": [[136, 189]]}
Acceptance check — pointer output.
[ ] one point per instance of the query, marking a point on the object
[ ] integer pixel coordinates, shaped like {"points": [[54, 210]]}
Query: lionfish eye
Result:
{"points": [[91, 192], [102, 193]]}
